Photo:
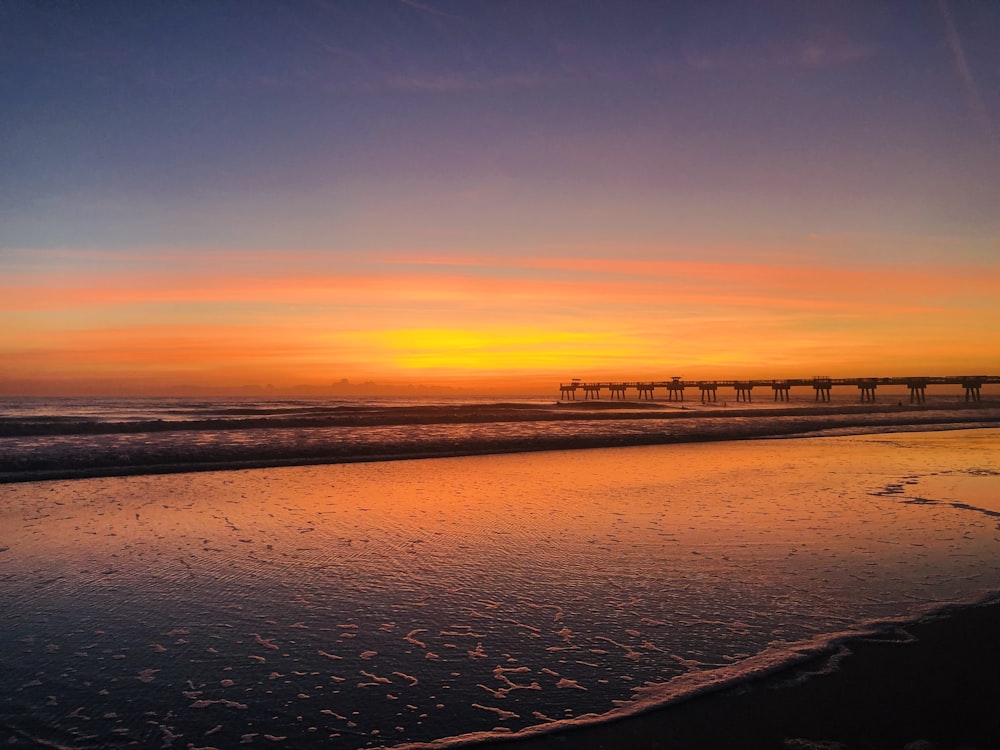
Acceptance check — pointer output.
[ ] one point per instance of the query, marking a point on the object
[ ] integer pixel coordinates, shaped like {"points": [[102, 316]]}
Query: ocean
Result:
{"points": [[69, 438], [307, 586]]}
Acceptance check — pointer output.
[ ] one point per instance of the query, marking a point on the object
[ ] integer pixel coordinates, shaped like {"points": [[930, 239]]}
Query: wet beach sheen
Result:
{"points": [[447, 600]]}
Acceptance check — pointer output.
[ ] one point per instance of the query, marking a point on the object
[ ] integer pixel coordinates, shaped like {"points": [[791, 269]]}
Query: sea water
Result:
{"points": [[446, 600], [66, 438]]}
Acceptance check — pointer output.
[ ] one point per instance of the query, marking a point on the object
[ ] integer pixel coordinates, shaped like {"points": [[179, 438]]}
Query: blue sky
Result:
{"points": [[855, 114]]}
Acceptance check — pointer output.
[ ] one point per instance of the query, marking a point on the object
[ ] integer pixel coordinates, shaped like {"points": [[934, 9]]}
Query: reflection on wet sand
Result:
{"points": [[385, 603]]}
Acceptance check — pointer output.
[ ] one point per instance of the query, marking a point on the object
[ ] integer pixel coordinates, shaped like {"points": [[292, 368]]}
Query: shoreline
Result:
{"points": [[82, 456], [701, 571], [98, 472], [555, 412], [932, 684]]}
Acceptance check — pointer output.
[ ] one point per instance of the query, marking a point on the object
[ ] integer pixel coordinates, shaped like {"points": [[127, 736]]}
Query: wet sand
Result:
{"points": [[439, 600], [934, 685]]}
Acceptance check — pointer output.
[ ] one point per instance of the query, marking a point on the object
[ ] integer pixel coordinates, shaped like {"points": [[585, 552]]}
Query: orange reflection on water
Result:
{"points": [[447, 585]]}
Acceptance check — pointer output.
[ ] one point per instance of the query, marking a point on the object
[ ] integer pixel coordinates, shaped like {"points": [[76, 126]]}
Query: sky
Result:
{"points": [[494, 196]]}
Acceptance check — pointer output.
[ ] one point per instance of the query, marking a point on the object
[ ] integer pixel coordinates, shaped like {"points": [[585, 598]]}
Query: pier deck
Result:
{"points": [[781, 388]]}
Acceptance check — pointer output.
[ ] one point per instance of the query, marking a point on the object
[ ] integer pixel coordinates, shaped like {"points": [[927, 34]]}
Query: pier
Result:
{"points": [[822, 386]]}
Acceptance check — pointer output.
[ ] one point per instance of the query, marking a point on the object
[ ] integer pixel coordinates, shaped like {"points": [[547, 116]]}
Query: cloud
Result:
{"points": [[812, 52], [428, 9], [827, 52], [293, 317], [972, 97]]}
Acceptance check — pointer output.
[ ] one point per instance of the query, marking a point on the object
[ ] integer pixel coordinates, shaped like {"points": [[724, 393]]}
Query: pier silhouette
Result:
{"points": [[821, 385]]}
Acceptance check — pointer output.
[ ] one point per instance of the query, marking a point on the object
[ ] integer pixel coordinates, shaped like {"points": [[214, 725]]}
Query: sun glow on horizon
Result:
{"points": [[474, 320]]}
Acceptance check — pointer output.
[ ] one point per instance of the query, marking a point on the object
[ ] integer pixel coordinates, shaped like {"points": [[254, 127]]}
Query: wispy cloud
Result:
{"points": [[460, 81], [428, 9], [972, 96], [827, 52], [811, 52]]}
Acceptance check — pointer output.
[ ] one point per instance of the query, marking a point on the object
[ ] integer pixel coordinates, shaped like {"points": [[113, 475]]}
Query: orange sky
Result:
{"points": [[493, 324]]}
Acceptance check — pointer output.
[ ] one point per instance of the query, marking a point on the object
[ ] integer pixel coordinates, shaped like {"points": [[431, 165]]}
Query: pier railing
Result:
{"points": [[781, 388]]}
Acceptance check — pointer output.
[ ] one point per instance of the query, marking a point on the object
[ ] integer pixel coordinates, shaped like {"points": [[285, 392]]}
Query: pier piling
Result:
{"points": [[867, 388], [568, 391], [645, 391], [918, 389], [675, 389], [822, 386], [972, 389]]}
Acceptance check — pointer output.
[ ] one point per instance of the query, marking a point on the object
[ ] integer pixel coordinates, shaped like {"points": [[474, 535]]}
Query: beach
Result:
{"points": [[686, 587], [930, 685]]}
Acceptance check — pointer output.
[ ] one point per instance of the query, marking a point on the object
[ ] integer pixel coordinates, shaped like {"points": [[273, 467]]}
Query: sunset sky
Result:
{"points": [[494, 195]]}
